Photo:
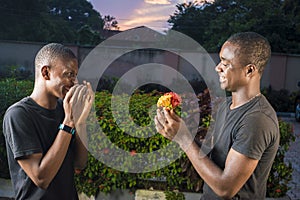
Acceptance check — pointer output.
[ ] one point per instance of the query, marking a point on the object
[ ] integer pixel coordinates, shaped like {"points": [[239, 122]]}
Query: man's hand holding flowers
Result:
{"points": [[169, 124]]}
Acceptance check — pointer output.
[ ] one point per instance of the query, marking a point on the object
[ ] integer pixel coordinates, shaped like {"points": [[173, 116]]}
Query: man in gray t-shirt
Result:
{"points": [[43, 146], [252, 130], [236, 159]]}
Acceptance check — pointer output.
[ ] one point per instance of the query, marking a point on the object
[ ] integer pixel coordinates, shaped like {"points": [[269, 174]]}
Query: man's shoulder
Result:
{"points": [[18, 106]]}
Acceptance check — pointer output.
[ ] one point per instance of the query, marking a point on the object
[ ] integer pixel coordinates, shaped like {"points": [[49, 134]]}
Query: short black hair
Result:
{"points": [[52, 51], [253, 48]]}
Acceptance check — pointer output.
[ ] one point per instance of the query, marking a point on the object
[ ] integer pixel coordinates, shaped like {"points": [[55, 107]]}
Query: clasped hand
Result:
{"points": [[79, 102]]}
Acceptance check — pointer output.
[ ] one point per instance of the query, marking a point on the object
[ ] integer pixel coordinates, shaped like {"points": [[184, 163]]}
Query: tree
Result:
{"points": [[47, 20], [87, 36], [211, 24], [190, 19], [110, 23]]}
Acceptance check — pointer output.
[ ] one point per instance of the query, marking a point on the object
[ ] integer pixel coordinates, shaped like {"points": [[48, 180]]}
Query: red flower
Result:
{"points": [[175, 100], [133, 153], [169, 100], [106, 151], [278, 190]]}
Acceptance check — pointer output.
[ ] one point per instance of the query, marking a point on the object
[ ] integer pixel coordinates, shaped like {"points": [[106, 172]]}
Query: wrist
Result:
{"points": [[68, 129], [69, 122], [186, 144]]}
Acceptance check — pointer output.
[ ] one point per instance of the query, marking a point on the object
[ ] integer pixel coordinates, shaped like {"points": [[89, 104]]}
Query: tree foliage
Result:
{"points": [[211, 24], [110, 23], [50, 21]]}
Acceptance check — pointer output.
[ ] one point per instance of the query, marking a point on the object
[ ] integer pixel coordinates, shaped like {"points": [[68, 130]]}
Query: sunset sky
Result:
{"points": [[133, 13]]}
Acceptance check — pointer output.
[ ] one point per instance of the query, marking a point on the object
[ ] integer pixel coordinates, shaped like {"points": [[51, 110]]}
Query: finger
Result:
{"points": [[77, 90], [82, 94], [70, 93], [160, 128], [158, 125], [168, 116], [89, 87], [87, 93], [90, 92], [160, 117], [174, 116]]}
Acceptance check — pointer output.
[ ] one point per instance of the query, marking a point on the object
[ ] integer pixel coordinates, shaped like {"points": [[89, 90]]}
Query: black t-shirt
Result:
{"points": [[29, 128], [252, 130]]}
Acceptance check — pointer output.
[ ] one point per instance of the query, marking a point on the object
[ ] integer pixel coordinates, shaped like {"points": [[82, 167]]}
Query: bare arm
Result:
{"points": [[81, 152], [225, 183], [42, 169]]}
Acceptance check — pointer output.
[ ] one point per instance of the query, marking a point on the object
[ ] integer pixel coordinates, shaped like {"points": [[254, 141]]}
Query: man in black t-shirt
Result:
{"points": [[236, 159], [43, 146]]}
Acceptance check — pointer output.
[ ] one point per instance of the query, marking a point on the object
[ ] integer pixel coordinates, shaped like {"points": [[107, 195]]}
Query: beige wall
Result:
{"points": [[283, 71]]}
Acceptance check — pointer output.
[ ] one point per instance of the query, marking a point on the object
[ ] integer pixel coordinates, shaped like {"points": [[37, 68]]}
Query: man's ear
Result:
{"points": [[45, 72], [250, 69]]}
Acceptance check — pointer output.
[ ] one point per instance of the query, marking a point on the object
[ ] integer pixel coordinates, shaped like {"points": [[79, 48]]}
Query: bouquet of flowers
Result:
{"points": [[170, 101]]}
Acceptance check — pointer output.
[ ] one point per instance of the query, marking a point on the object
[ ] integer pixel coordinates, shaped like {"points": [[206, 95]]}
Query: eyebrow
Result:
{"points": [[222, 58]]}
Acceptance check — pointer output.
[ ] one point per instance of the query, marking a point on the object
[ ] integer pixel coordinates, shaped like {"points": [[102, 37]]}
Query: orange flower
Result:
{"points": [[169, 100]]}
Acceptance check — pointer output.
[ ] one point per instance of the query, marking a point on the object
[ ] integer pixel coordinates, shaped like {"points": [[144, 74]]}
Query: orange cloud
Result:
{"points": [[144, 20], [161, 2]]}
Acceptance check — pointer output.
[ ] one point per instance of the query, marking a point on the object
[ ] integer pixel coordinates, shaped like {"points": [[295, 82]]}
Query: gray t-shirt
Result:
{"points": [[29, 128], [252, 130]]}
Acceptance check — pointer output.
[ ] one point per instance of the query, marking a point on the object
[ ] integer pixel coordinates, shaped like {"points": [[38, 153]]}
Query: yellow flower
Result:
{"points": [[169, 100]]}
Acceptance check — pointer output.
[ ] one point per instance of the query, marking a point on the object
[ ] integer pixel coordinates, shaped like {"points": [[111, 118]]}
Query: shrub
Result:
{"points": [[14, 71], [98, 177], [11, 90], [179, 175], [281, 172], [281, 100]]}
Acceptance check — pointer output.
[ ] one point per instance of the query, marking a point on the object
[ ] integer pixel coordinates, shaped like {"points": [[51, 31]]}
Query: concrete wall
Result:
{"points": [[283, 71]]}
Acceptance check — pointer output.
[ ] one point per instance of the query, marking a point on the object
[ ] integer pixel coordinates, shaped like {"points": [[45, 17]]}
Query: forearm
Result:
{"points": [[52, 160], [81, 152], [213, 175]]}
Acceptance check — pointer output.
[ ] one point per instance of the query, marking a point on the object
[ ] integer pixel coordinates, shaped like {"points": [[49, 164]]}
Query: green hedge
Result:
{"points": [[179, 175], [11, 90]]}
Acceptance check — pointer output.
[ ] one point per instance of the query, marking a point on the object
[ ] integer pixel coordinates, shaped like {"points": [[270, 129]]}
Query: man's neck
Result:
{"points": [[239, 99], [44, 100]]}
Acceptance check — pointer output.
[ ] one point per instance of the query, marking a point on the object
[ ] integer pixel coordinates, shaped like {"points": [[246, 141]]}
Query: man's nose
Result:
{"points": [[75, 81], [218, 68]]}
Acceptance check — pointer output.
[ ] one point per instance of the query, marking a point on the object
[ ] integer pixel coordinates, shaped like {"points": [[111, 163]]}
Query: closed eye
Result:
{"points": [[225, 65], [70, 74]]}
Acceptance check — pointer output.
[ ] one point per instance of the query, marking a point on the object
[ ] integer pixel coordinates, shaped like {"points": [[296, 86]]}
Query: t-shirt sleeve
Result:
{"points": [[254, 135], [20, 132]]}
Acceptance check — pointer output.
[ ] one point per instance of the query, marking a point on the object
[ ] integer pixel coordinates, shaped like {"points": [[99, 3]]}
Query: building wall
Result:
{"points": [[283, 71]]}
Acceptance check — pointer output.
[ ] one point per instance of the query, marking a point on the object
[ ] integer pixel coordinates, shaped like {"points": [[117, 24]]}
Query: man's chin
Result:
{"points": [[223, 86]]}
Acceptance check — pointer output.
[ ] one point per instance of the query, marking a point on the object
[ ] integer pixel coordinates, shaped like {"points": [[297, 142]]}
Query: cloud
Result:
{"points": [[156, 15], [160, 2], [154, 10], [151, 13], [145, 20]]}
